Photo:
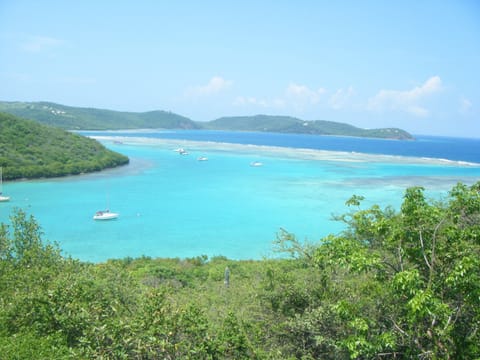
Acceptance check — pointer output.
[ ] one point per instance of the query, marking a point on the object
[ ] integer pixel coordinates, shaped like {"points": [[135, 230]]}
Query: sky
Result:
{"points": [[414, 65]]}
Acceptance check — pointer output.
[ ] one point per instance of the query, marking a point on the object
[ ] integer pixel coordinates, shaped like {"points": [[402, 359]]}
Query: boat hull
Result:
{"points": [[105, 216]]}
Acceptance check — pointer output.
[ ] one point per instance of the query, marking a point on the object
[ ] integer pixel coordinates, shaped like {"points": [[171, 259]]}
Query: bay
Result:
{"points": [[173, 205]]}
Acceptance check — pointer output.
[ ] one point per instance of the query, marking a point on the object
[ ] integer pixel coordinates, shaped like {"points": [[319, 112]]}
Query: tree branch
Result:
{"points": [[400, 257], [423, 251], [432, 257]]}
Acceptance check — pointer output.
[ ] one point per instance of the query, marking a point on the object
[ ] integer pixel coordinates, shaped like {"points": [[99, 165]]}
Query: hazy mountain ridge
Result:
{"points": [[76, 118], [287, 124]]}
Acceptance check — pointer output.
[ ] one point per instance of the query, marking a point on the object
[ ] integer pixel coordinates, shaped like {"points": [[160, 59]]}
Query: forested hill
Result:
{"points": [[77, 118], [29, 149], [286, 124]]}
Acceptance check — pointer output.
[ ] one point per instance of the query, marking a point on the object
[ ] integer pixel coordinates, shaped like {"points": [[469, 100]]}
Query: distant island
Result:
{"points": [[31, 150], [287, 124], [77, 118]]}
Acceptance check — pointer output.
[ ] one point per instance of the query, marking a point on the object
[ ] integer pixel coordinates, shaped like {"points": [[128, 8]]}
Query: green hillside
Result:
{"points": [[32, 150], [286, 124], [77, 118]]}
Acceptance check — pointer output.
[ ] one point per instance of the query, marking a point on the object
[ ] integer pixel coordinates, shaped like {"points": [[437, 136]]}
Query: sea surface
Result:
{"points": [[174, 205]]}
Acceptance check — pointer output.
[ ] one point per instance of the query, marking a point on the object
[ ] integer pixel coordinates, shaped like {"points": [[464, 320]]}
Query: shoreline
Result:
{"points": [[285, 152]]}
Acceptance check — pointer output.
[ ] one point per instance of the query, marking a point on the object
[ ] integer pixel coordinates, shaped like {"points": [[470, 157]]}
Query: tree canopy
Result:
{"points": [[396, 284], [29, 149]]}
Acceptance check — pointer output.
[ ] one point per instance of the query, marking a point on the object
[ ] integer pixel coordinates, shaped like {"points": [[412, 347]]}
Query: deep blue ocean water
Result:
{"points": [[459, 149], [176, 206]]}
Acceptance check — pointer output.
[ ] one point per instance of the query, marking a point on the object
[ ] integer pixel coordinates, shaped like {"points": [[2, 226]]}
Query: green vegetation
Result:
{"points": [[393, 285], [32, 150], [286, 124], [75, 118]]}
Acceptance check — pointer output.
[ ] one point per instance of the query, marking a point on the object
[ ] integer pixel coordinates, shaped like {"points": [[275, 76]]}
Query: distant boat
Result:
{"points": [[105, 215], [202, 158], [256, 163], [2, 197], [181, 151]]}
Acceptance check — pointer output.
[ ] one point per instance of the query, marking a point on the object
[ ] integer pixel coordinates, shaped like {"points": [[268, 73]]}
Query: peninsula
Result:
{"points": [[30, 150]]}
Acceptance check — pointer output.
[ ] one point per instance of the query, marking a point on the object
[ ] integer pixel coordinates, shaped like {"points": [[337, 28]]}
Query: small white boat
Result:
{"points": [[181, 151], [3, 198], [202, 158], [256, 163], [105, 215]]}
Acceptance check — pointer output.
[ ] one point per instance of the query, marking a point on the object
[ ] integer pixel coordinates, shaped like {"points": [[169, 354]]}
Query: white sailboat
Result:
{"points": [[105, 214], [2, 197]]}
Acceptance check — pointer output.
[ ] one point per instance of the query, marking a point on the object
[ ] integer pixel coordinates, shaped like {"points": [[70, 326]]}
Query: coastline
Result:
{"points": [[285, 152]]}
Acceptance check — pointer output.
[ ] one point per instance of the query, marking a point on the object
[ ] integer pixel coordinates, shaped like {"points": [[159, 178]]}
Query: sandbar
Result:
{"points": [[282, 152]]}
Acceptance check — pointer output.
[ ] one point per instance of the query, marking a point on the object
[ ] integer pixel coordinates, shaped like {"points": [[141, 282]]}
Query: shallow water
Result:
{"points": [[175, 206]]}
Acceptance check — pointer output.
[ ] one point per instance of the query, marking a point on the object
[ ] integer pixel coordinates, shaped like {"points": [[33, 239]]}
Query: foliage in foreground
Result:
{"points": [[394, 285]]}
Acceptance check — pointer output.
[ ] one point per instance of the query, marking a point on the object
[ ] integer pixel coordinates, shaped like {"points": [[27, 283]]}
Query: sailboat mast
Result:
{"points": [[2, 198]]}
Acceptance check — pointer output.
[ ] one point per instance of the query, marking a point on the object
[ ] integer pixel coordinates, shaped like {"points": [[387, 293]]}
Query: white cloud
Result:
{"points": [[301, 93], [295, 95], [407, 100], [465, 105], [37, 44], [341, 98], [216, 85], [251, 100]]}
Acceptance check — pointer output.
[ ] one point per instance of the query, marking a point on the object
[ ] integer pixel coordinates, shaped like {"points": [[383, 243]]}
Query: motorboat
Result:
{"points": [[256, 164], [202, 158]]}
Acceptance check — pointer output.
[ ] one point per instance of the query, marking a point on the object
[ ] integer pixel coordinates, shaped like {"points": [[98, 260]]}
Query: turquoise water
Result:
{"points": [[175, 206]]}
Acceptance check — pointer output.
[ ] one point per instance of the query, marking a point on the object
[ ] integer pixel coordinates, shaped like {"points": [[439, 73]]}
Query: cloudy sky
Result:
{"points": [[408, 64]]}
